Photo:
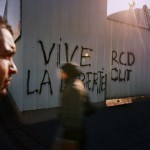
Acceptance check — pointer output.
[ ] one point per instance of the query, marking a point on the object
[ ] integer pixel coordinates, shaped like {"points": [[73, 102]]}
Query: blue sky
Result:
{"points": [[119, 5]]}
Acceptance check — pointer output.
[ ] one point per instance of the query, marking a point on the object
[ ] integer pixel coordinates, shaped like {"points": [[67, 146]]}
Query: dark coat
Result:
{"points": [[73, 102], [13, 135]]}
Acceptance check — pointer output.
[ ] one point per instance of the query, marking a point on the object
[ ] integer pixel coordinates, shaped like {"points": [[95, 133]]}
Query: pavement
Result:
{"points": [[125, 127]]}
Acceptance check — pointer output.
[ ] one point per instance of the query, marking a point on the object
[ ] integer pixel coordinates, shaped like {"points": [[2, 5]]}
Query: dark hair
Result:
{"points": [[4, 24], [72, 70]]}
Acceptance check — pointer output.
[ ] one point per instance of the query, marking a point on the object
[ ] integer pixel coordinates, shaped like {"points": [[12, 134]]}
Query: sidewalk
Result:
{"points": [[125, 127]]}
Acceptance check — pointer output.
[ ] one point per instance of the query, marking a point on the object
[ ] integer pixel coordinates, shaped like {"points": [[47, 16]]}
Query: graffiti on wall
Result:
{"points": [[126, 59], [92, 80], [66, 49]]}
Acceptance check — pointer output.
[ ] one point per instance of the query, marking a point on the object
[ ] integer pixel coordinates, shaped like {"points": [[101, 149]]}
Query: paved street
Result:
{"points": [[125, 127]]}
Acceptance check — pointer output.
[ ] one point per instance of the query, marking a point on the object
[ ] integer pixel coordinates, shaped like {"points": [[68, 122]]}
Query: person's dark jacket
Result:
{"points": [[13, 136], [73, 102]]}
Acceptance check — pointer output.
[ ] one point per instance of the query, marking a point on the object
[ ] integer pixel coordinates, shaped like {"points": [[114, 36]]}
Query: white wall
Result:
{"points": [[64, 26], [127, 43], [67, 24]]}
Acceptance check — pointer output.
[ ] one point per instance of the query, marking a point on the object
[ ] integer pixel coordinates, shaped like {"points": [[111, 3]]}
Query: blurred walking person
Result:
{"points": [[73, 106]]}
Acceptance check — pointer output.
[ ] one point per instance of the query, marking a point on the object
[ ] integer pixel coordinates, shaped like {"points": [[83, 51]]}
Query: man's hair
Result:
{"points": [[4, 24]]}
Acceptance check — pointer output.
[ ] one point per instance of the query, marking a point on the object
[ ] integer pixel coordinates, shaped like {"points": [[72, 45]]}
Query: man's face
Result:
{"points": [[7, 66]]}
